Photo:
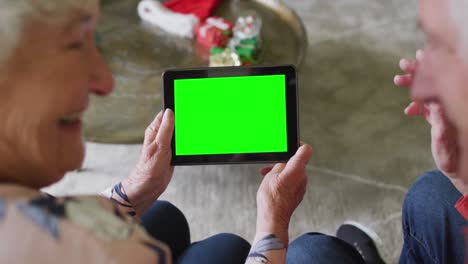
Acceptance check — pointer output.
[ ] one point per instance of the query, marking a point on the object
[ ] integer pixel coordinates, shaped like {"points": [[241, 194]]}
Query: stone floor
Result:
{"points": [[367, 153]]}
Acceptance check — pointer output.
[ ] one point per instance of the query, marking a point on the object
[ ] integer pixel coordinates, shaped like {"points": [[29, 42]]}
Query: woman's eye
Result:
{"points": [[75, 45]]}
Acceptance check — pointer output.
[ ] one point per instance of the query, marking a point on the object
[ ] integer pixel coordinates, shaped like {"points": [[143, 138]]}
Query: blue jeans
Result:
{"points": [[167, 224], [432, 227]]}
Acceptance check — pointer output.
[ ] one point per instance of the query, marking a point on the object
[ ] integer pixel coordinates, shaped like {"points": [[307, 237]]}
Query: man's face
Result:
{"points": [[442, 74]]}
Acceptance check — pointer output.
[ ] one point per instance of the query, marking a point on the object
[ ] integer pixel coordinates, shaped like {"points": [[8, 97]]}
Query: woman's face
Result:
{"points": [[44, 90]]}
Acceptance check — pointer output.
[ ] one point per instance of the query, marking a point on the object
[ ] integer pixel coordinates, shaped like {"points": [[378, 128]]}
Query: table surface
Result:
{"points": [[139, 53]]}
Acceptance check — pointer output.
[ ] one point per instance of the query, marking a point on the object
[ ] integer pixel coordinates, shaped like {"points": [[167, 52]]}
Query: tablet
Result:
{"points": [[233, 114]]}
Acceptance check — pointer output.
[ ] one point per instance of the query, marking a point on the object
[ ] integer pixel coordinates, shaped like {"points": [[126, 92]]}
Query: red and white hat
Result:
{"points": [[178, 17]]}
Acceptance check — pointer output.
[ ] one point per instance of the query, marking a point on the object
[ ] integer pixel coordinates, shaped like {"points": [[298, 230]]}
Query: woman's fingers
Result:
{"points": [[152, 130], [298, 163], [264, 171], [278, 168], [164, 135], [163, 138]]}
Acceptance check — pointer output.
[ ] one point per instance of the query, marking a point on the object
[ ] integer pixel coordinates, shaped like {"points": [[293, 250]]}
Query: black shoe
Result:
{"points": [[361, 239]]}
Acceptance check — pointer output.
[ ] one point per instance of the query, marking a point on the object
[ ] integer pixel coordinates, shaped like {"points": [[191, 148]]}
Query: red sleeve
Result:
{"points": [[462, 206]]}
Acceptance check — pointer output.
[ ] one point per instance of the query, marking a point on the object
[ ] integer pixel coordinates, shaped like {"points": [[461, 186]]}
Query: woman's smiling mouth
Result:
{"points": [[71, 121]]}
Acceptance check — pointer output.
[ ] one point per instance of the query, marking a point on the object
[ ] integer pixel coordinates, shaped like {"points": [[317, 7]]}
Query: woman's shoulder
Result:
{"points": [[11, 192], [52, 229]]}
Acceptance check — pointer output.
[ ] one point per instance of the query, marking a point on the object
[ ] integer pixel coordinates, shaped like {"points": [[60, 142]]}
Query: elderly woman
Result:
{"points": [[49, 67]]}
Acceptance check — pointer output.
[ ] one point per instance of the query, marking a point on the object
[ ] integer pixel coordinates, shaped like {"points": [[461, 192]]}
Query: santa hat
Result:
{"points": [[200, 8], [178, 17]]}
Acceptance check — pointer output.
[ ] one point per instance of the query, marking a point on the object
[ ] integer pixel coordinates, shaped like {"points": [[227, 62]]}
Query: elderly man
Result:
{"points": [[436, 208]]}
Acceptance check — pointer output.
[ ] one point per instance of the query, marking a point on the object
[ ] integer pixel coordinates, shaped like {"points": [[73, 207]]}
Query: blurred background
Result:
{"points": [[367, 153]]}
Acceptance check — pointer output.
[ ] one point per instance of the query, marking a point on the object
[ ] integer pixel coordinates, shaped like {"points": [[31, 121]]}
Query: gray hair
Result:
{"points": [[459, 14], [14, 14]]}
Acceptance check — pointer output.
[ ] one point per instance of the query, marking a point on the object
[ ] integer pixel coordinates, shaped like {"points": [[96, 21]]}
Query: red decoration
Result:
{"points": [[214, 32], [200, 8]]}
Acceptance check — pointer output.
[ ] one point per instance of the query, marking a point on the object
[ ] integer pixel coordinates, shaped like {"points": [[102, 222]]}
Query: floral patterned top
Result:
{"points": [[39, 228]]}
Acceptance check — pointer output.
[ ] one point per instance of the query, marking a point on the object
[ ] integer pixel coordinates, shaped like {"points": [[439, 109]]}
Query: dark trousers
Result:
{"points": [[167, 224], [433, 229]]}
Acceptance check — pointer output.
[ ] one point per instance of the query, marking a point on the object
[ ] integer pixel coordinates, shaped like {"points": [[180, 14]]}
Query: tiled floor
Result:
{"points": [[367, 152]]}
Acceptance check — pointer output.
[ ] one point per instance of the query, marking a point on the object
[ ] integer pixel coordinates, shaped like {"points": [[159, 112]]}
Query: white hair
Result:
{"points": [[459, 14], [14, 14]]}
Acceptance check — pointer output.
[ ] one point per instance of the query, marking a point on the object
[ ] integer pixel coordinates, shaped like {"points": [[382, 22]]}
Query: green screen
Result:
{"points": [[230, 115]]}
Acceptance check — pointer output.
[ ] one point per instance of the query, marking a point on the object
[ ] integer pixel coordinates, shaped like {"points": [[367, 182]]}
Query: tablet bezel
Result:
{"points": [[291, 112]]}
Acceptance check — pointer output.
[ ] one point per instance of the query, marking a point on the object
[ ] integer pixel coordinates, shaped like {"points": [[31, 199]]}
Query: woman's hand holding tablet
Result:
{"points": [[233, 114]]}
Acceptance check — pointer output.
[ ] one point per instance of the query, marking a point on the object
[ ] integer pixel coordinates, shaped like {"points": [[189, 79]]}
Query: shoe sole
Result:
{"points": [[372, 234]]}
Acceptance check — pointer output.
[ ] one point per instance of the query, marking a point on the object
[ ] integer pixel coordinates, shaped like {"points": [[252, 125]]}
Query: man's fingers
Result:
{"points": [[419, 55], [298, 162], [403, 80], [164, 136], [437, 117], [153, 128], [414, 109], [408, 66]]}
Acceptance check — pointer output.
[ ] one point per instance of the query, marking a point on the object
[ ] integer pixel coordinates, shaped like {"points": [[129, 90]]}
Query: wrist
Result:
{"points": [[270, 228], [282, 235], [139, 199], [268, 246], [118, 196]]}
